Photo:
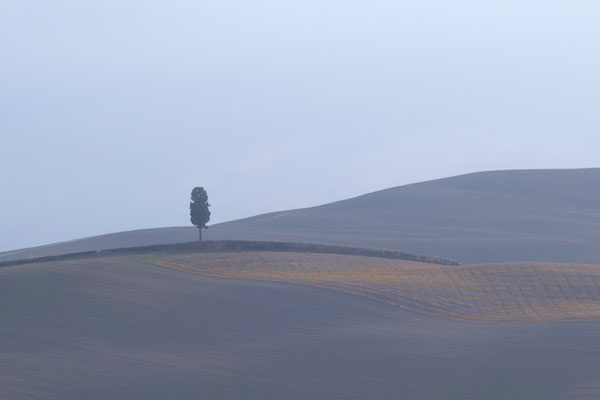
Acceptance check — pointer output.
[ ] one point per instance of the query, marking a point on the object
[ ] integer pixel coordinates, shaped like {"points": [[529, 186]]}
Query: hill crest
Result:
{"points": [[482, 217]]}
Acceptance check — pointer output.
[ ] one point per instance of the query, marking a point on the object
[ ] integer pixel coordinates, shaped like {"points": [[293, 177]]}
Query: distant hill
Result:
{"points": [[500, 216]]}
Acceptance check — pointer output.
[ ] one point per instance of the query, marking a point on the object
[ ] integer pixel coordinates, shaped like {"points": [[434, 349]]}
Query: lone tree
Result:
{"points": [[199, 212]]}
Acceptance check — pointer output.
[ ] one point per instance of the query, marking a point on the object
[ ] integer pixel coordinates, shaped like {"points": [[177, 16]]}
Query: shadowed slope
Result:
{"points": [[119, 329], [531, 215]]}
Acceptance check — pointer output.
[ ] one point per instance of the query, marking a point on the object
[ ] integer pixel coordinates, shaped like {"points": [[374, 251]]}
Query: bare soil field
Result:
{"points": [[123, 328], [514, 292]]}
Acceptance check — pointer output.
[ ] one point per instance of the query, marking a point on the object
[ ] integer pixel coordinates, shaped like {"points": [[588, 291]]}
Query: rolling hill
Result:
{"points": [[272, 325], [499, 216]]}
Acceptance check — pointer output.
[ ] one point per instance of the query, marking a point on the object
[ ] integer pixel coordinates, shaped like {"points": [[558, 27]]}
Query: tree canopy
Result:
{"points": [[199, 212]]}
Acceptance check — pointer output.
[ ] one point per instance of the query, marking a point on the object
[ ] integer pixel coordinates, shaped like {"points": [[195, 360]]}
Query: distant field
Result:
{"points": [[488, 217], [513, 292], [221, 246]]}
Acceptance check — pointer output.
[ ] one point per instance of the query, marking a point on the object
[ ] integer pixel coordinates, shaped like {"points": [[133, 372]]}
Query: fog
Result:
{"points": [[111, 111]]}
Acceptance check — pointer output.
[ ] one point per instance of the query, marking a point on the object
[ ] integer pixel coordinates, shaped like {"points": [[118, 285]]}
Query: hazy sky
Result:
{"points": [[111, 111]]}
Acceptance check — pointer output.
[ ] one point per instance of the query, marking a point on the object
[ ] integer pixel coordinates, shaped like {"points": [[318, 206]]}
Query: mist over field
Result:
{"points": [[110, 112], [299, 200]]}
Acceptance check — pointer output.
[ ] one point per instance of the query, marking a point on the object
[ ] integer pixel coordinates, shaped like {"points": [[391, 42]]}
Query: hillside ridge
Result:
{"points": [[548, 215], [238, 245]]}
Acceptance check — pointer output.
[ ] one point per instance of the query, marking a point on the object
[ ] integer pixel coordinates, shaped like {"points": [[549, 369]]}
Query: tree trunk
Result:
{"points": [[199, 234]]}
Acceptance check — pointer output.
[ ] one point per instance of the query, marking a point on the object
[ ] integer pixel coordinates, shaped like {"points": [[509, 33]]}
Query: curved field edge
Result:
{"points": [[210, 246], [510, 292]]}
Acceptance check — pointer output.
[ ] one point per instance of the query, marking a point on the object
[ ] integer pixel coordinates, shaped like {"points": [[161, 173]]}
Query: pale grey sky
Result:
{"points": [[111, 111]]}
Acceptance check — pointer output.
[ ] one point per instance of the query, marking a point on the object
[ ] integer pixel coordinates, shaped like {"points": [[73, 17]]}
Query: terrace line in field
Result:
{"points": [[511, 292]]}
